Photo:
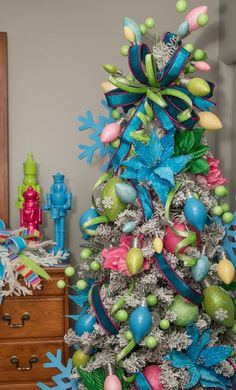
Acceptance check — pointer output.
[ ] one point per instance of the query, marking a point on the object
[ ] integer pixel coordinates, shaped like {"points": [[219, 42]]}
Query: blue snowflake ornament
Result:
{"points": [[88, 122], [200, 360], [63, 380], [154, 163]]}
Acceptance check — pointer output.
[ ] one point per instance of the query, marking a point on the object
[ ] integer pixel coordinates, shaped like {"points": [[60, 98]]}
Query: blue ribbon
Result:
{"points": [[141, 382], [101, 314], [145, 200], [176, 282]]}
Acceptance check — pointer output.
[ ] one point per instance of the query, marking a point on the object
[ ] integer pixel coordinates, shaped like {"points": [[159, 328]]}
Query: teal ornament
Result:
{"points": [[140, 323], [85, 324], [89, 214], [126, 192], [132, 25], [129, 227], [201, 269], [183, 30], [195, 212]]}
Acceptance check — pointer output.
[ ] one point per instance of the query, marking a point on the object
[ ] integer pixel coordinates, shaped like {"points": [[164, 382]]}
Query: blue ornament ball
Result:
{"points": [[195, 212], [85, 324], [89, 214], [140, 323], [201, 269]]}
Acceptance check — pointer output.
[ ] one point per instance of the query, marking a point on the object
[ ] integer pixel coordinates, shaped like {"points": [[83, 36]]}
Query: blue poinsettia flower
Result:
{"points": [[154, 163], [200, 360]]}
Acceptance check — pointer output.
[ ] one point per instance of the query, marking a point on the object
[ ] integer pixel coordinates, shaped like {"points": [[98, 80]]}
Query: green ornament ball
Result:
{"points": [[79, 358], [191, 69], [116, 143], [61, 284], [124, 50], [205, 56], [95, 266], [86, 253], [128, 335], [150, 342], [221, 191], [69, 271], [217, 210], [164, 324], [110, 201], [81, 284], [198, 55], [150, 22], [202, 20], [216, 301], [181, 6], [143, 28], [185, 311], [227, 217], [116, 114], [152, 300], [225, 207], [189, 47], [121, 316]]}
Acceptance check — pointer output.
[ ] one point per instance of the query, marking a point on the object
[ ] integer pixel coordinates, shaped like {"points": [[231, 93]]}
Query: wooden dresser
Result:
{"points": [[30, 327]]}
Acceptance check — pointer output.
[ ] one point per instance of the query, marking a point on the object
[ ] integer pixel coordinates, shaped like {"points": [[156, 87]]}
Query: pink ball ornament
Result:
{"points": [[202, 66], [110, 132], [171, 239], [112, 382], [192, 16], [152, 374]]}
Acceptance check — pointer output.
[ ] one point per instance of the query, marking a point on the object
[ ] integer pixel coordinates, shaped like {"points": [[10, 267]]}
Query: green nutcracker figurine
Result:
{"points": [[30, 180]]}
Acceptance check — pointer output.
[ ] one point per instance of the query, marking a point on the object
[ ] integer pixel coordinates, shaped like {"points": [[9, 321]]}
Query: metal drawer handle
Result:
{"points": [[25, 317], [14, 360]]}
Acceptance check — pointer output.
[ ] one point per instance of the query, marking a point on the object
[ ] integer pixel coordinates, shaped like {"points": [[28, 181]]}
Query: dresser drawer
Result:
{"points": [[23, 386], [23, 351], [45, 318]]}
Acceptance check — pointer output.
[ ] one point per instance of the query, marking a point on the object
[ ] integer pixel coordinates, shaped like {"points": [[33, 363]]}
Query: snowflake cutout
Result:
{"points": [[63, 381], [107, 202], [221, 314], [88, 122]]}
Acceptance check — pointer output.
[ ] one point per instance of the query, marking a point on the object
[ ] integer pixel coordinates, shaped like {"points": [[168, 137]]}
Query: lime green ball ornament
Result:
{"points": [[95, 266], [121, 316], [69, 271], [198, 55], [202, 20], [225, 207], [116, 114], [124, 50], [128, 335], [110, 201], [227, 217], [217, 210], [86, 253], [221, 191], [61, 284], [181, 6], [152, 300], [81, 284], [80, 358], [150, 22], [164, 324], [110, 68], [185, 311], [150, 342], [143, 28], [189, 47]]}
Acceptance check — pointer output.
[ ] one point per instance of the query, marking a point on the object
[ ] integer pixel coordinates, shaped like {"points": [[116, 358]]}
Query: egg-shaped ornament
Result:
{"points": [[112, 381], [134, 258], [185, 311], [140, 322], [107, 86], [85, 324], [110, 132], [132, 31], [88, 215], [225, 269], [153, 375], [198, 87], [192, 17], [183, 30], [195, 212], [201, 66], [110, 201], [129, 227], [158, 245], [201, 269], [126, 192], [209, 121], [171, 239]]}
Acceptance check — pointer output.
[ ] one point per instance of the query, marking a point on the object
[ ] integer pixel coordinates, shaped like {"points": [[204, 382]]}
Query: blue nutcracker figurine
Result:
{"points": [[59, 200]]}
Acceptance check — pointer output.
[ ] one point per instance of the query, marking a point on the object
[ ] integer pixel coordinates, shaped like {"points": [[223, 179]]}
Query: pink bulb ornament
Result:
{"points": [[112, 382], [152, 374], [110, 132], [193, 15], [202, 66]]}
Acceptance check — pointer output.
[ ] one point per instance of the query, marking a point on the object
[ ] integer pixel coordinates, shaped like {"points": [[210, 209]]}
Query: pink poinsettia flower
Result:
{"points": [[214, 177], [115, 257]]}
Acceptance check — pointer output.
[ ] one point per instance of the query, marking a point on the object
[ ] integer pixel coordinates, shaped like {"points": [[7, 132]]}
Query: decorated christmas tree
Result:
{"points": [[156, 279]]}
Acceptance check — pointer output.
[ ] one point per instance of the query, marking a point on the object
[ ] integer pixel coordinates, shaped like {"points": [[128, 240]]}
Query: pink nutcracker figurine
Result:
{"points": [[31, 213]]}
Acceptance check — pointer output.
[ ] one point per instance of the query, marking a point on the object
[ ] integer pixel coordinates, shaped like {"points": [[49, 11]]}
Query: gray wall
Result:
{"points": [[56, 52]]}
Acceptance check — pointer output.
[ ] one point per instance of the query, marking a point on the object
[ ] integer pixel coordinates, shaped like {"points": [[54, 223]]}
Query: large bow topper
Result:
{"points": [[154, 93]]}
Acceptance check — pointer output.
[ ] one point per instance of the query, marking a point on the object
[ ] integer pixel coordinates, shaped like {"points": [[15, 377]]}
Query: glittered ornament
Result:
{"points": [[81, 357], [192, 17], [185, 311], [171, 239], [153, 375], [88, 215], [126, 192], [110, 132], [225, 269], [158, 244], [111, 203], [134, 258], [198, 87], [195, 213], [85, 324]]}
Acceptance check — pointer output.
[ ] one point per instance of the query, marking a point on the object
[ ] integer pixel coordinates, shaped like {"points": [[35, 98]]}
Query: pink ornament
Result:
{"points": [[31, 213], [192, 16], [115, 258], [110, 132], [152, 374], [202, 66], [171, 239], [214, 178], [112, 382]]}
